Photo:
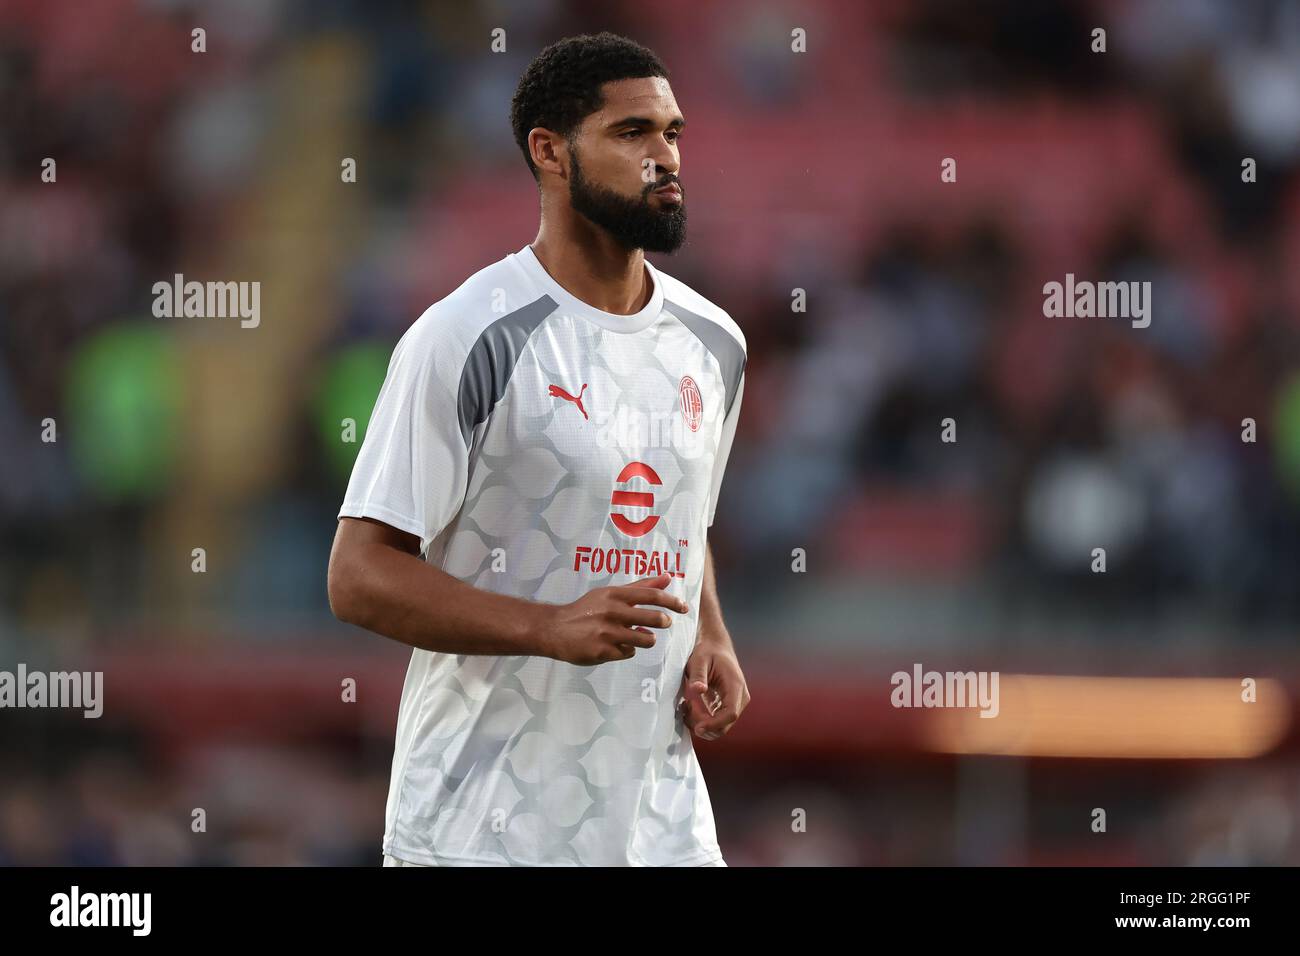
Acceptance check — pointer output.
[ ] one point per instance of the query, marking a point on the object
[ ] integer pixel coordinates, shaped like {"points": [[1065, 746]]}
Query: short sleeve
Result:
{"points": [[724, 447], [412, 469]]}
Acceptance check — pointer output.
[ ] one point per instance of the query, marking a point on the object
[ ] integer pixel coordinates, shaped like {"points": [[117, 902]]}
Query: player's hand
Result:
{"points": [[607, 625], [713, 693]]}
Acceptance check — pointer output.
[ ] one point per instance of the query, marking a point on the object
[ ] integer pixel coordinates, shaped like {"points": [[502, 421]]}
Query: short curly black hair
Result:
{"points": [[561, 87]]}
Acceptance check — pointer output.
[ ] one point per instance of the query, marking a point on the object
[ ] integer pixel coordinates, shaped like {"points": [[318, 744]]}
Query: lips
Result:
{"points": [[672, 192]]}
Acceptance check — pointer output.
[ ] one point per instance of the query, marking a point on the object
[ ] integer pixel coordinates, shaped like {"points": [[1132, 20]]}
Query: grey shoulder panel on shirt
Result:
{"points": [[720, 342], [492, 360]]}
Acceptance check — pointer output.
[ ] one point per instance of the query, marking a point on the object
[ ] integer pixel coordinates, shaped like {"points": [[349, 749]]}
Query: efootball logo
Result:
{"points": [[628, 493], [634, 499]]}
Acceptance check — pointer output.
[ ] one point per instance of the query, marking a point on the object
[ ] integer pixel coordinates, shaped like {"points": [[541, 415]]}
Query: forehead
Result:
{"points": [[648, 96]]}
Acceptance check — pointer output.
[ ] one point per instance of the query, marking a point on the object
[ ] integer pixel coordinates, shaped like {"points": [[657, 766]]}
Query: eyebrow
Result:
{"points": [[644, 122]]}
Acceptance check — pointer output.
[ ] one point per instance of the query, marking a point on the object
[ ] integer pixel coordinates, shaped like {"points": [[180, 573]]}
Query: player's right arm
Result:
{"points": [[378, 581]]}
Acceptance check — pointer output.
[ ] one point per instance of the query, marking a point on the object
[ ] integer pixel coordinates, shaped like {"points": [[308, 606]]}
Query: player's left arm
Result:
{"points": [[714, 692]]}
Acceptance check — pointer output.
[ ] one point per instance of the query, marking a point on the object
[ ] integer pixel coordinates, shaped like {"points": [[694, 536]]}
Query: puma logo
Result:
{"points": [[557, 392]]}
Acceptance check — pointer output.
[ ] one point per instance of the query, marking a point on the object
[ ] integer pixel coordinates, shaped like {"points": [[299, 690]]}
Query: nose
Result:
{"points": [[665, 158]]}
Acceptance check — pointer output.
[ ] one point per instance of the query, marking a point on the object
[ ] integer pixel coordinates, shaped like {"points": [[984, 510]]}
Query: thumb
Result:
{"points": [[697, 672], [695, 685]]}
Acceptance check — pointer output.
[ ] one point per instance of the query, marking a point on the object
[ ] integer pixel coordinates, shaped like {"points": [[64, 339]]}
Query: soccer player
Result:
{"points": [[530, 505]]}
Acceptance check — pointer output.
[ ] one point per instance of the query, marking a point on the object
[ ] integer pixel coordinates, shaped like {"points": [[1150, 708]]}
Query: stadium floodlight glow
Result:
{"points": [[1118, 717]]}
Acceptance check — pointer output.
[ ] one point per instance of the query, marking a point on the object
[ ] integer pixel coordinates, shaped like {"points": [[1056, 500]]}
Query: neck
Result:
{"points": [[593, 267]]}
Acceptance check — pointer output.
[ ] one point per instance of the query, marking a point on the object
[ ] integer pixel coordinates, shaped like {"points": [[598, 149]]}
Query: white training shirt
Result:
{"points": [[477, 446]]}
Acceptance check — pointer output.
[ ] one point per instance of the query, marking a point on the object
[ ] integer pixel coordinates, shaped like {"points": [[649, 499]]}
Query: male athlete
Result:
{"points": [[530, 505]]}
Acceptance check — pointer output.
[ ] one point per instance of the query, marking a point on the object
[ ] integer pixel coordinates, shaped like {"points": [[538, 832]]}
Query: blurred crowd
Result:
{"points": [[817, 172]]}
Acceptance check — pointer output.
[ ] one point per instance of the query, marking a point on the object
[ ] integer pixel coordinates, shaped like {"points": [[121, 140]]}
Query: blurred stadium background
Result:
{"points": [[817, 171]]}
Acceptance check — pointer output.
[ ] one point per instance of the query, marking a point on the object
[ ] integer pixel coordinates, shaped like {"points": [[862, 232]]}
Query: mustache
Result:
{"points": [[669, 180]]}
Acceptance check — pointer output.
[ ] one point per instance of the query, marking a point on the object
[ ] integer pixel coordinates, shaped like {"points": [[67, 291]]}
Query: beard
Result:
{"points": [[633, 223]]}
